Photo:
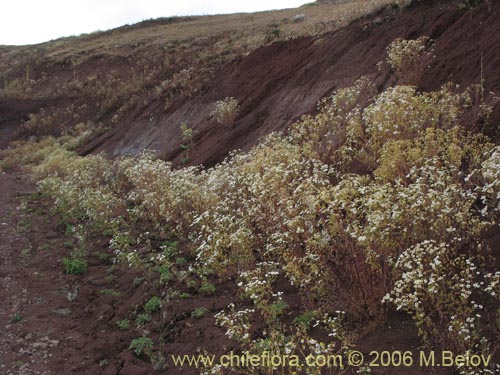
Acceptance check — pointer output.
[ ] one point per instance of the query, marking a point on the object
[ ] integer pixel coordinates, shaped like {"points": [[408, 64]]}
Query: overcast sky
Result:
{"points": [[36, 21]]}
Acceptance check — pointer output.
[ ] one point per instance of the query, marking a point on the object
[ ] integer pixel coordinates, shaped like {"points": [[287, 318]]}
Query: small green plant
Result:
{"points": [[120, 242], [187, 138], [102, 256], [165, 274], [191, 284], [277, 308], [199, 312], [16, 318], [138, 281], [226, 111], [110, 292], [74, 266], [142, 319], [305, 319], [169, 248], [107, 232], [109, 279], [23, 227], [44, 247], [207, 288], [123, 324], [26, 251], [141, 345], [153, 305], [69, 229], [180, 261]]}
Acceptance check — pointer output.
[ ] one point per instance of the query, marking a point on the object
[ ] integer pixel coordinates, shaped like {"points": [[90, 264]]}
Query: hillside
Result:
{"points": [[137, 88], [318, 186], [130, 70]]}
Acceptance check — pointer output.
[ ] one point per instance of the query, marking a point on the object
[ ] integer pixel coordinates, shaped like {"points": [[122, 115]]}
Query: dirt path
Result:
{"points": [[37, 323], [21, 350]]}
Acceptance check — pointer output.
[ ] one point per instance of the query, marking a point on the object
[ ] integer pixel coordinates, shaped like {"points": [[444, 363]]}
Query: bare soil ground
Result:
{"points": [[41, 329]]}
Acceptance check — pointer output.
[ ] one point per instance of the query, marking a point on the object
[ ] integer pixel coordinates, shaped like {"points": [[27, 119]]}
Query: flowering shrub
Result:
{"points": [[278, 338], [401, 113], [437, 285], [452, 148], [164, 196], [404, 57], [294, 341], [490, 190], [82, 187], [226, 111], [27, 154], [336, 133]]}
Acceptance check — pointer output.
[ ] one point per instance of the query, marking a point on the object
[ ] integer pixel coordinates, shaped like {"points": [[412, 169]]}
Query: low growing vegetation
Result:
{"points": [[379, 202]]}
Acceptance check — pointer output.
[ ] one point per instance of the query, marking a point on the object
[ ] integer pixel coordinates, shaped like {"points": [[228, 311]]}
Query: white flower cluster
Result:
{"points": [[490, 191], [257, 283], [493, 284], [404, 56], [226, 111], [82, 187], [438, 285], [236, 322]]}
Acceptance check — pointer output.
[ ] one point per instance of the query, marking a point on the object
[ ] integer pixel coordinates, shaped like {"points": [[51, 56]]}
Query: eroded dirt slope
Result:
{"points": [[276, 84]]}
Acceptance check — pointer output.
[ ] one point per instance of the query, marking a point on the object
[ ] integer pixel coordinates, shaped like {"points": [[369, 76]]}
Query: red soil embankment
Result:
{"points": [[278, 83]]}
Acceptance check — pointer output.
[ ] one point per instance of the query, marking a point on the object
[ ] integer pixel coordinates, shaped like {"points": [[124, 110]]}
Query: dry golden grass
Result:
{"points": [[249, 26]]}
